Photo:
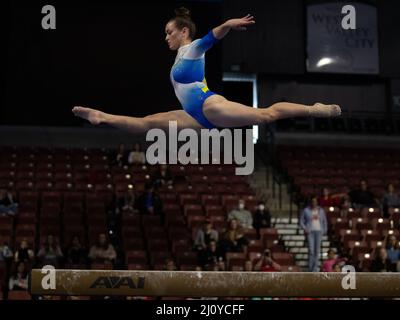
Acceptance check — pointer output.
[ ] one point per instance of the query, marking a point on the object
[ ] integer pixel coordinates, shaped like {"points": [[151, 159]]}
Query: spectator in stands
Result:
{"points": [[170, 265], [136, 156], [313, 222], [390, 200], [50, 252], [336, 268], [102, 251], [120, 157], [205, 235], [6, 253], [362, 197], [266, 264], [345, 205], [150, 202], [128, 201], [262, 218], [163, 176], [24, 253], [234, 239], [7, 203], [76, 252], [211, 255], [393, 251], [326, 200], [381, 263], [248, 266], [220, 265], [242, 215], [328, 264], [19, 278]]}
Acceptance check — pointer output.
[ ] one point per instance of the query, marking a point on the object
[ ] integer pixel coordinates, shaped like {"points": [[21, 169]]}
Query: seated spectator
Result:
{"points": [[7, 203], [345, 205], [24, 253], [19, 278], [390, 200], [266, 264], [128, 202], [102, 251], [393, 251], [262, 218], [330, 200], [6, 253], [120, 156], [50, 252], [76, 253], [242, 215], [326, 200], [328, 264], [336, 268], [248, 266], [163, 176], [136, 156], [234, 239], [381, 263], [362, 197], [218, 266], [211, 255], [149, 202], [170, 265], [205, 235]]}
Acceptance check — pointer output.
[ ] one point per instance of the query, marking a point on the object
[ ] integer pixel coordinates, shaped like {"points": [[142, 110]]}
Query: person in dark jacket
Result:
{"points": [[149, 202], [382, 262], [262, 218]]}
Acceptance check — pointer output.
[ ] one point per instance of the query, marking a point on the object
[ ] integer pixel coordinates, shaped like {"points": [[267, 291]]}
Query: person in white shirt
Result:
{"points": [[242, 215], [136, 156]]}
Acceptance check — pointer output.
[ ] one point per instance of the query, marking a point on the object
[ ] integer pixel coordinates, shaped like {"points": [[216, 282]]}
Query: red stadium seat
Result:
{"points": [[133, 244], [188, 258], [159, 257], [293, 268], [19, 295], [137, 257], [235, 259], [157, 245], [283, 258], [138, 266], [151, 221], [102, 266]]}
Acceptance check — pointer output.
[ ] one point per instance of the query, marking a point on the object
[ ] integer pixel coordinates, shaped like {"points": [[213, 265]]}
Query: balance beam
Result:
{"points": [[211, 284]]}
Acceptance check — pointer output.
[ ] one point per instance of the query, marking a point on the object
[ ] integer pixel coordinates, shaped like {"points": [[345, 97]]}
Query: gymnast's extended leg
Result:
{"points": [[224, 113], [138, 125]]}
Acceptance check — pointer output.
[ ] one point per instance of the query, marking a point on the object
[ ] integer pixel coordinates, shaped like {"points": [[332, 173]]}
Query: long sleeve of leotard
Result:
{"points": [[200, 46]]}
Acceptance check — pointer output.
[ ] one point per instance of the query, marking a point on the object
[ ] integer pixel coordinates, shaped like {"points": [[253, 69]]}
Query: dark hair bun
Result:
{"points": [[182, 12]]}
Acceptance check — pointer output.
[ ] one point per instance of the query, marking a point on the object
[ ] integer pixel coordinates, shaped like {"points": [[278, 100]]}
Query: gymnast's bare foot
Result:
{"points": [[320, 110], [93, 116]]}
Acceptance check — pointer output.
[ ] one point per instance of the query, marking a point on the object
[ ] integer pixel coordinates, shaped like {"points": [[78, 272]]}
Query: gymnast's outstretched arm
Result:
{"points": [[200, 46], [233, 24]]}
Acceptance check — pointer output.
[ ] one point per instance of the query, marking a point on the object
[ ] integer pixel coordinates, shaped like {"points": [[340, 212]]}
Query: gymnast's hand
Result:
{"points": [[242, 23]]}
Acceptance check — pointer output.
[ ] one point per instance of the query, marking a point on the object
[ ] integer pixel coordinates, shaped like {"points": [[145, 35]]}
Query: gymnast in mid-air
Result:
{"points": [[202, 108]]}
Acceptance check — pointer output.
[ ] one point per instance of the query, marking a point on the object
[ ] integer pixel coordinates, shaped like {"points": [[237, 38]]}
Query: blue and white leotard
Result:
{"points": [[188, 78]]}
